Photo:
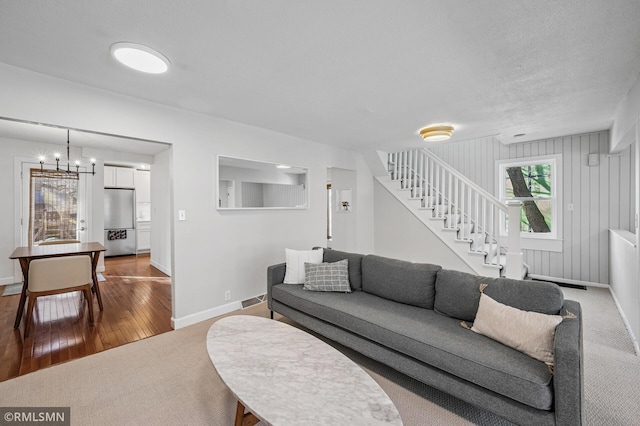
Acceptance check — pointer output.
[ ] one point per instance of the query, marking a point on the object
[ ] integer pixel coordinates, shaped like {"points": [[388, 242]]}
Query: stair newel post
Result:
{"points": [[483, 211], [496, 231], [456, 201], [420, 176], [432, 192], [395, 165], [490, 231], [411, 173], [425, 180], [401, 175], [450, 197], [463, 189], [443, 192], [437, 188], [406, 170], [514, 249], [478, 224], [414, 172], [403, 170]]}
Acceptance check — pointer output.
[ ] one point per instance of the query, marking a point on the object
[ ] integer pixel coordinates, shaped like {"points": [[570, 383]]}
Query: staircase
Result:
{"points": [[463, 215]]}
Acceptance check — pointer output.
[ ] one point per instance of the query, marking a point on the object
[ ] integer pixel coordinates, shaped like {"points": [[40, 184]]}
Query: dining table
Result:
{"points": [[28, 253]]}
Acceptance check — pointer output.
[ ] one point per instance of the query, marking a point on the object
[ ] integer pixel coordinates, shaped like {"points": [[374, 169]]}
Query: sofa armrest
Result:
{"points": [[568, 367], [275, 275]]}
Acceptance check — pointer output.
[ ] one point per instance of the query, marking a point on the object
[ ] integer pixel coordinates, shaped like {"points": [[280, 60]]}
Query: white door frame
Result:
{"points": [[21, 205]]}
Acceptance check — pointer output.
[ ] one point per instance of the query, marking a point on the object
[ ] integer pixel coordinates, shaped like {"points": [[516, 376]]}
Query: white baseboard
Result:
{"points": [[177, 323], [160, 267], [7, 281], [567, 281], [634, 341]]}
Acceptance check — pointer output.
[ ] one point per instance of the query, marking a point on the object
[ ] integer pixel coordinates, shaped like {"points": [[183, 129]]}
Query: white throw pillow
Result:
{"points": [[529, 332], [295, 264]]}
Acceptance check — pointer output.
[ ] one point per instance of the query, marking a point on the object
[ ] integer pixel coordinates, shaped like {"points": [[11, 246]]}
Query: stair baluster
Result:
{"points": [[464, 206]]}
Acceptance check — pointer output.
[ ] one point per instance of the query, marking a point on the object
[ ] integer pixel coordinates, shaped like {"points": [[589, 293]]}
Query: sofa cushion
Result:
{"points": [[295, 264], [355, 265], [400, 281], [531, 333], [332, 276], [430, 338], [458, 294]]}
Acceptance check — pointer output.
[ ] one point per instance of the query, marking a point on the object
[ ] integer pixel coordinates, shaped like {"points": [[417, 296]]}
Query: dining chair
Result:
{"points": [[51, 242], [95, 289], [57, 275]]}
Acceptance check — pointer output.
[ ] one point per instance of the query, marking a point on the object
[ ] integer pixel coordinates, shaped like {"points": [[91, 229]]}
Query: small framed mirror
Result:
{"points": [[252, 184]]}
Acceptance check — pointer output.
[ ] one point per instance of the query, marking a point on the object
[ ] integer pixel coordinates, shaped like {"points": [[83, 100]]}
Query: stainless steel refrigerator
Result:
{"points": [[119, 221]]}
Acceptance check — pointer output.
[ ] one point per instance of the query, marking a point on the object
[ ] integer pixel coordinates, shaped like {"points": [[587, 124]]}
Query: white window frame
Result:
{"points": [[537, 241]]}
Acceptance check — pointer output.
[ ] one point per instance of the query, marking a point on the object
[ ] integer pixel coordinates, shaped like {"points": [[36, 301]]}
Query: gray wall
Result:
{"points": [[603, 196]]}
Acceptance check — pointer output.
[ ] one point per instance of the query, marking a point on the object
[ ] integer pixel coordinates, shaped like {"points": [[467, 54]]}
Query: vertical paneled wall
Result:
{"points": [[283, 195], [602, 196]]}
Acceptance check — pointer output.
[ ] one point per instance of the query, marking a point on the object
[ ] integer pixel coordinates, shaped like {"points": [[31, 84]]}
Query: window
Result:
{"points": [[535, 181], [53, 206]]}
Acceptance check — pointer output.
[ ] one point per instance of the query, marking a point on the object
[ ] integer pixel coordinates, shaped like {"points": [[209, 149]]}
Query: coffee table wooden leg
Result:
{"points": [[243, 419]]}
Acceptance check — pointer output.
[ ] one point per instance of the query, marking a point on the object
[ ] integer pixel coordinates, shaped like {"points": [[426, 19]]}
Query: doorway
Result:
{"points": [[341, 207]]}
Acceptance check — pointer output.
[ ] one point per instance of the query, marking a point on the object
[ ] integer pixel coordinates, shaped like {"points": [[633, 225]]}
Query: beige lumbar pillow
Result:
{"points": [[531, 333]]}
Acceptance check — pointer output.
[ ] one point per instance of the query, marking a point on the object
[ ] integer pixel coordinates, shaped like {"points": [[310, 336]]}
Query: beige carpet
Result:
{"points": [[169, 379]]}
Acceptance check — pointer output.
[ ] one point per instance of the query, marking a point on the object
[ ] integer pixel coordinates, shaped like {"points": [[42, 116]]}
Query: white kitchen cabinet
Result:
{"points": [[143, 186], [119, 177], [143, 237]]}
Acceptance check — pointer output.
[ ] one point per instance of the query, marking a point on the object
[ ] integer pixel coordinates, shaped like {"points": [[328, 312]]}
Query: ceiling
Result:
{"points": [[358, 74]]}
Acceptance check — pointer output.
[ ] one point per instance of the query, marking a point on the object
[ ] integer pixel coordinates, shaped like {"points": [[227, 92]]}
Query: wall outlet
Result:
{"points": [[227, 295]]}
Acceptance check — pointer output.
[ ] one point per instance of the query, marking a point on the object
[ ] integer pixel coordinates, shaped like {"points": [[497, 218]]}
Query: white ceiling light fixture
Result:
{"points": [[140, 58], [436, 132]]}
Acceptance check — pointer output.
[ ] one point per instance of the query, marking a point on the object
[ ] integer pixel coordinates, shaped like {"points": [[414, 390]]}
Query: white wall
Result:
{"points": [[603, 196], [161, 219], [213, 251], [624, 279], [401, 235], [626, 117]]}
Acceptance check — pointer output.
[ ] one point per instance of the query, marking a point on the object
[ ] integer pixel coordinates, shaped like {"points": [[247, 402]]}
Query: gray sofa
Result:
{"points": [[408, 316]]}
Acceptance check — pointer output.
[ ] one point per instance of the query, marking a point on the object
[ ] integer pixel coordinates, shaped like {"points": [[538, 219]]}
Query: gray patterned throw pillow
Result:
{"points": [[327, 276]]}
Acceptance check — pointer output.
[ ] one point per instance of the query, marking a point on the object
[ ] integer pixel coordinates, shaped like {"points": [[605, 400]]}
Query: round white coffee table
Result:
{"points": [[285, 376]]}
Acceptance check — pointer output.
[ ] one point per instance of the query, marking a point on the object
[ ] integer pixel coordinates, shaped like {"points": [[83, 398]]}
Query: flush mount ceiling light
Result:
{"points": [[282, 166], [436, 133], [139, 57]]}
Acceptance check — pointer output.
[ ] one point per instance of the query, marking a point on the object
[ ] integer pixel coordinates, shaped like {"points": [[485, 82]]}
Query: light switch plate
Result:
{"points": [[182, 215]]}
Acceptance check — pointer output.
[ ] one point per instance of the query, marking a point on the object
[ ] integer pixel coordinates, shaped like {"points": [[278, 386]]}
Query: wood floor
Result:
{"points": [[137, 304]]}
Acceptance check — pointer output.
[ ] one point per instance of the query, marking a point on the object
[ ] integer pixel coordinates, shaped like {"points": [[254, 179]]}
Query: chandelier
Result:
{"points": [[68, 170]]}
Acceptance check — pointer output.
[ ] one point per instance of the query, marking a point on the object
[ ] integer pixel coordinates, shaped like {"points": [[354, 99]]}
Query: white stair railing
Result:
{"points": [[465, 207]]}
